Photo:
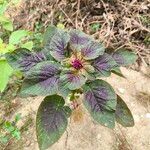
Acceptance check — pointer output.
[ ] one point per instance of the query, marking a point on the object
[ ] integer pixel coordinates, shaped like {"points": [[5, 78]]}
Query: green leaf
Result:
{"points": [[118, 72], [3, 19], [8, 26], [51, 120], [9, 127], [17, 36], [3, 7], [123, 114], [5, 73], [49, 33], [16, 134], [17, 117], [6, 23], [4, 139], [124, 57], [95, 26], [10, 48], [60, 26], [27, 45], [2, 47], [5, 48], [100, 101]]}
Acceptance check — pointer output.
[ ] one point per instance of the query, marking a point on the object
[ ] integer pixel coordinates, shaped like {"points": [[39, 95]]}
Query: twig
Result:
{"points": [[77, 13]]}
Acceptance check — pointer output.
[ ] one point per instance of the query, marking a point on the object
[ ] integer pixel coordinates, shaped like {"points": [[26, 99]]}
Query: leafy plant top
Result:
{"points": [[71, 62]]}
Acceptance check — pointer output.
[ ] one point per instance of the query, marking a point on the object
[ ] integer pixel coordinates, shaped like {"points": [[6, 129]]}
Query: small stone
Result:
{"points": [[121, 90], [148, 115], [141, 116], [99, 136], [136, 118], [28, 143], [106, 124]]}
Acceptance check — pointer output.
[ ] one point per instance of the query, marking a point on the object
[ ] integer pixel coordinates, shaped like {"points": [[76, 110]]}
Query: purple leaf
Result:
{"points": [[123, 113], [48, 35], [58, 45], [104, 64], [22, 59], [124, 57], [78, 39], [42, 79], [92, 50], [100, 100], [51, 120], [72, 80]]}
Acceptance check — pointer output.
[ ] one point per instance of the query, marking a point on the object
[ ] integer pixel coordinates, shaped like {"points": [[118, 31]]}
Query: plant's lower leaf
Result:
{"points": [[22, 59], [123, 114], [124, 57], [42, 79], [104, 64], [51, 120], [100, 100], [5, 73], [118, 72]]}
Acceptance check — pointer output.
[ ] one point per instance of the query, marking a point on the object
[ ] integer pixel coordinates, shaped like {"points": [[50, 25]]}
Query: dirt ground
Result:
{"points": [[84, 134]]}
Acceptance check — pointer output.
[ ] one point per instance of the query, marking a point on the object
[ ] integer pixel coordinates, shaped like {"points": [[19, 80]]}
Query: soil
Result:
{"points": [[85, 134]]}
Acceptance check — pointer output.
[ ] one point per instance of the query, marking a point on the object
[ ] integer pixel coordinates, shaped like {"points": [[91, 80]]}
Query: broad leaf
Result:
{"points": [[27, 45], [5, 72], [100, 101], [104, 64], [17, 36], [123, 114], [92, 50], [3, 49], [78, 39], [124, 57], [58, 44], [22, 59], [48, 35], [69, 81], [51, 120], [63, 90], [72, 80], [8, 26], [42, 79], [3, 7], [6, 23]]}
